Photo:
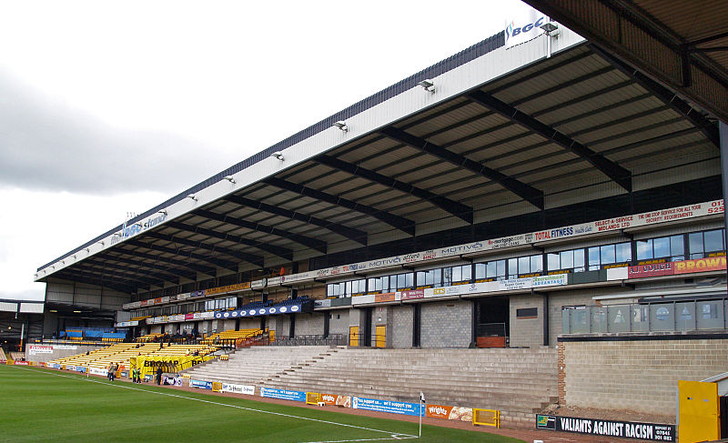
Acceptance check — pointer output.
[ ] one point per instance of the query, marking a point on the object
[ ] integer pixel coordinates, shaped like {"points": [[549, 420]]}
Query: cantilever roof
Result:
{"points": [[507, 132]]}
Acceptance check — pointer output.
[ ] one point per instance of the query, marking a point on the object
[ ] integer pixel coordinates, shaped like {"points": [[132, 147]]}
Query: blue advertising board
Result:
{"points": [[201, 384], [283, 394], [392, 407]]}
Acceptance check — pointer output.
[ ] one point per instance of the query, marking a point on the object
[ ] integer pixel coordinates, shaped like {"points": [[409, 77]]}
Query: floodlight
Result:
{"points": [[428, 85], [342, 126]]}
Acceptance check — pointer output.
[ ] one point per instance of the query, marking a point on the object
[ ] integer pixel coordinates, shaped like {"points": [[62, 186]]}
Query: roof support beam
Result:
{"points": [[396, 221], [350, 233], [185, 264], [708, 128], [250, 258], [82, 277], [271, 249], [618, 174], [526, 192], [457, 209], [126, 272], [175, 274], [301, 239]]}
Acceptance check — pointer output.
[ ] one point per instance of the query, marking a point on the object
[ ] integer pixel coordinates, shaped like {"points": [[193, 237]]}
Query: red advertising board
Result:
{"points": [[412, 295], [651, 270]]}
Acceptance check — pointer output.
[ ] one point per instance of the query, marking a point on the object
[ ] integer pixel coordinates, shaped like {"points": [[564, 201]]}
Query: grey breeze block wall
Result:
{"points": [[310, 324], [638, 375], [402, 326], [447, 324]]}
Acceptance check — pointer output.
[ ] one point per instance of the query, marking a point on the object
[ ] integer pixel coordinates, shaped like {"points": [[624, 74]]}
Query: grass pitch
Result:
{"points": [[44, 405]]}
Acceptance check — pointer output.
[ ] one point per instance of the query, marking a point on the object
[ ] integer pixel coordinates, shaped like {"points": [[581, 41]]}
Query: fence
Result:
{"points": [[311, 340], [697, 315]]}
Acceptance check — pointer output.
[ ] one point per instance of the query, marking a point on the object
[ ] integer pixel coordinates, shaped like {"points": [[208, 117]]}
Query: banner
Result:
{"points": [[607, 428], [525, 27], [336, 400], [148, 364], [39, 349], [238, 389], [201, 384], [97, 371], [283, 394], [449, 412], [678, 267], [392, 407]]}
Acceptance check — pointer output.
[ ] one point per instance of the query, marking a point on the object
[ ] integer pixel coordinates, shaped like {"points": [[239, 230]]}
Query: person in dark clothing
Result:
{"points": [[159, 375]]}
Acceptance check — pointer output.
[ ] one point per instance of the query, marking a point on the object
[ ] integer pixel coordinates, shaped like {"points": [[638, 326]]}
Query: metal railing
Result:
{"points": [[311, 340], [697, 315]]}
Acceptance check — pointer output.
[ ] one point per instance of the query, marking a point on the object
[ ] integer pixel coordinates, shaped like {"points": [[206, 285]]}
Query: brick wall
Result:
{"points": [[447, 324], [638, 375]]}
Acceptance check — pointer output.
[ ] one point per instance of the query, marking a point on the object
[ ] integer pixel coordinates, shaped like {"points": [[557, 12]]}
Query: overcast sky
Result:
{"points": [[109, 107]]}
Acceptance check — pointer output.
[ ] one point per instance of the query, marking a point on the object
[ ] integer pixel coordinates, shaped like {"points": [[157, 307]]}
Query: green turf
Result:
{"points": [[44, 405]]}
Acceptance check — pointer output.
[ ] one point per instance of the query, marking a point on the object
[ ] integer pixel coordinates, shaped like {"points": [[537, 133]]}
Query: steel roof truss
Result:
{"points": [[528, 193], [350, 233], [457, 209], [301, 239], [250, 258], [618, 174], [272, 249], [396, 221]]}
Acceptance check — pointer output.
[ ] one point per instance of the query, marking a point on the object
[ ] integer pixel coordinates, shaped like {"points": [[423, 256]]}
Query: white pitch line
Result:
{"points": [[395, 436]]}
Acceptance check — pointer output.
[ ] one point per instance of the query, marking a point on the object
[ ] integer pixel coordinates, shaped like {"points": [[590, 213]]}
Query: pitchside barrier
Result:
{"points": [[486, 417]]}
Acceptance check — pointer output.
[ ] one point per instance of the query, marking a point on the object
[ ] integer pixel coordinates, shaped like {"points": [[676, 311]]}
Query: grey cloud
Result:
{"points": [[45, 147]]}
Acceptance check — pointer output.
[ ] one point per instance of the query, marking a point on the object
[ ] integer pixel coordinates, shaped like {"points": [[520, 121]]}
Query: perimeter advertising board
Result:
{"points": [[392, 407], [607, 428], [283, 394]]}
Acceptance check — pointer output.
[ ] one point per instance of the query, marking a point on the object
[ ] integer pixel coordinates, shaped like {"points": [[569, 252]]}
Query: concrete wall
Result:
{"points": [[637, 375], [339, 322], [310, 324], [402, 326], [447, 324], [526, 332]]}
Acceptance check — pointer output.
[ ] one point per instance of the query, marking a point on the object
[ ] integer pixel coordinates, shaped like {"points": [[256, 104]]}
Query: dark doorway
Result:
{"points": [[492, 328]]}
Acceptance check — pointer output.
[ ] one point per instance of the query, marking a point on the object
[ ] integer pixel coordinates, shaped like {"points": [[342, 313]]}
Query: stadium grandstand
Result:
{"points": [[537, 212]]}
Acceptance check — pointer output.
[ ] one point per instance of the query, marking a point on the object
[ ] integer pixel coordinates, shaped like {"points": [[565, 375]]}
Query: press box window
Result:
{"points": [[492, 270], [432, 277], [703, 244], [671, 248], [606, 255], [457, 274], [531, 264], [573, 259]]}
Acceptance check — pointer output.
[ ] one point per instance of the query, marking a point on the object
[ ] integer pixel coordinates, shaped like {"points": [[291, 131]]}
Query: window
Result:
{"points": [[402, 281], [601, 256], [573, 259], [671, 248], [346, 288], [432, 277], [456, 274], [530, 264], [703, 244], [492, 270]]}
